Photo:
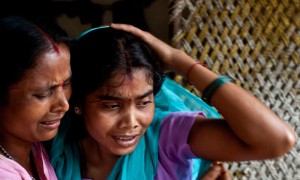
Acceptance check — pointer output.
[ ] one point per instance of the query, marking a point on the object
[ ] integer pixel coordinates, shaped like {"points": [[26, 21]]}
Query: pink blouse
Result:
{"points": [[10, 169]]}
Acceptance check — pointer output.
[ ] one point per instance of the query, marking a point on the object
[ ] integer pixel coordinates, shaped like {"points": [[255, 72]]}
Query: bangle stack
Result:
{"points": [[213, 87]]}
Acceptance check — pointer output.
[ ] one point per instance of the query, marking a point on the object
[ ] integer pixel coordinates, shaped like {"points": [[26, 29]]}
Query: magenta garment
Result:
{"points": [[175, 156], [10, 169]]}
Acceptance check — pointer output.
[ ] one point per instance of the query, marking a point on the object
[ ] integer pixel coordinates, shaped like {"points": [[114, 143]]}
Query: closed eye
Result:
{"points": [[144, 104], [42, 96], [67, 84], [111, 106]]}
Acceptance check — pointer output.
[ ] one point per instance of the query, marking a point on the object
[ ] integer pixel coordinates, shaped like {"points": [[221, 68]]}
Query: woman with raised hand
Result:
{"points": [[129, 121], [34, 92]]}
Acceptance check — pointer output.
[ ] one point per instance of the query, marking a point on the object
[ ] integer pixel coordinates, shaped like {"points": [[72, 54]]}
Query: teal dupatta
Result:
{"points": [[142, 163]]}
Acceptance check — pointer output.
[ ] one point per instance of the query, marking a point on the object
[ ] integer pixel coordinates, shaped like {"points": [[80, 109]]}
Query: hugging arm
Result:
{"points": [[249, 130]]}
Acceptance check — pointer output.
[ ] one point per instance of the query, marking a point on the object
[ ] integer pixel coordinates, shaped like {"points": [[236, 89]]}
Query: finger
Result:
{"points": [[213, 173], [124, 27], [131, 29], [144, 35], [225, 176], [217, 163]]}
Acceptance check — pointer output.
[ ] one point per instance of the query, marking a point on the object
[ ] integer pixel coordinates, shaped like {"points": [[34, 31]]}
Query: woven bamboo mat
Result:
{"points": [[257, 42]]}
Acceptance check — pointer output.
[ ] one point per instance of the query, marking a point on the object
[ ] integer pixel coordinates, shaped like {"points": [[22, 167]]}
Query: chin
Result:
{"points": [[48, 136], [122, 152]]}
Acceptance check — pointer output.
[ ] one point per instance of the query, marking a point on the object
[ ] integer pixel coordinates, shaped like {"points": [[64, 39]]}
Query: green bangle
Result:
{"points": [[212, 87]]}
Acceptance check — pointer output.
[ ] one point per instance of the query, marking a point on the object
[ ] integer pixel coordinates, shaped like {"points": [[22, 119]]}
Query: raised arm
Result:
{"points": [[249, 131]]}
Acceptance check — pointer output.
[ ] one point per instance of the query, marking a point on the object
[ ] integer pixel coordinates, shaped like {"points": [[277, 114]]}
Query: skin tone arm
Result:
{"points": [[249, 131]]}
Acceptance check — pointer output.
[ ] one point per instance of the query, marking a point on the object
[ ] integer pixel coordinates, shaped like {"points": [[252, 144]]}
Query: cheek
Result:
{"points": [[149, 120], [97, 122], [30, 108], [94, 128], [68, 93], [149, 115]]}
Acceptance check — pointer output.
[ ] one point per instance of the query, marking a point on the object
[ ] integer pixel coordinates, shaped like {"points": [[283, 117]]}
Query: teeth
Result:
{"points": [[125, 138], [48, 122]]}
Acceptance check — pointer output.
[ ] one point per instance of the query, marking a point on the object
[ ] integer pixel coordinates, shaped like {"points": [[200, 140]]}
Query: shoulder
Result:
{"points": [[176, 159], [176, 127], [181, 117]]}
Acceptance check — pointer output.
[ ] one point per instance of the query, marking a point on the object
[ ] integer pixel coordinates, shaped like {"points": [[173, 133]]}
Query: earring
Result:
{"points": [[77, 110]]}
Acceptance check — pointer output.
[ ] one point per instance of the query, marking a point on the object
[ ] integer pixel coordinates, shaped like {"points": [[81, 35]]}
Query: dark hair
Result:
{"points": [[98, 55], [101, 52], [22, 42]]}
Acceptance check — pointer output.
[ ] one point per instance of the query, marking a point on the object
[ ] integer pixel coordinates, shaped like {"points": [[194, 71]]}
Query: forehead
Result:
{"points": [[50, 67], [138, 81]]}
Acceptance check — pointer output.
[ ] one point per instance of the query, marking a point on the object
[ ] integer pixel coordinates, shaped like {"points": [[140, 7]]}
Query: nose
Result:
{"points": [[129, 120], [61, 104]]}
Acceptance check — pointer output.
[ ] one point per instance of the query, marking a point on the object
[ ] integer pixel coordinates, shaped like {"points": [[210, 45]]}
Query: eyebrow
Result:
{"points": [[59, 84], [51, 87], [111, 97]]}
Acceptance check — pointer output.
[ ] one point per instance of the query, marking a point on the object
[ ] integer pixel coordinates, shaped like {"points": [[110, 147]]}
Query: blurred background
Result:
{"points": [[75, 16]]}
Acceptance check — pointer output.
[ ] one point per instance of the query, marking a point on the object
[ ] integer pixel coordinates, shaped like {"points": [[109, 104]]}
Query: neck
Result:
{"points": [[98, 162], [18, 151]]}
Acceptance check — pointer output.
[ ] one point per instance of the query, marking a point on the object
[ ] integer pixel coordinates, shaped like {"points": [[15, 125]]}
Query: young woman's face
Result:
{"points": [[39, 100], [117, 117]]}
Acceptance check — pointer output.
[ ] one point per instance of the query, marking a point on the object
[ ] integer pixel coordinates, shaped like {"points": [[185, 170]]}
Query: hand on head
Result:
{"points": [[163, 50]]}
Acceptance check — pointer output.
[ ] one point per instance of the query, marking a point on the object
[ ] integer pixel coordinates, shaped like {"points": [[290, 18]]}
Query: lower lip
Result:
{"points": [[51, 125], [126, 143]]}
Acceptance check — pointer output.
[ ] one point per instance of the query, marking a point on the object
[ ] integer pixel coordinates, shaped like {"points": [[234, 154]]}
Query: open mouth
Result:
{"points": [[50, 125], [126, 141]]}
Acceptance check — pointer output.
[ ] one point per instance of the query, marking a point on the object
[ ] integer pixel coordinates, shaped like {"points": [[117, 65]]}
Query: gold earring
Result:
{"points": [[77, 110]]}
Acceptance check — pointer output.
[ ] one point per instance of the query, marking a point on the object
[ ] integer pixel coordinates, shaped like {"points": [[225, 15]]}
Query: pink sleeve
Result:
{"points": [[9, 169]]}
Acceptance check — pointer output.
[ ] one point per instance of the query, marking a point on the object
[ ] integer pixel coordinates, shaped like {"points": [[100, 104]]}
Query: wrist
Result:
{"points": [[191, 68], [181, 62]]}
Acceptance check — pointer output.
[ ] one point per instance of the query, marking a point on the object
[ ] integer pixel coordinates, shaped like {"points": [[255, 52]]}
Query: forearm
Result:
{"points": [[250, 120]]}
